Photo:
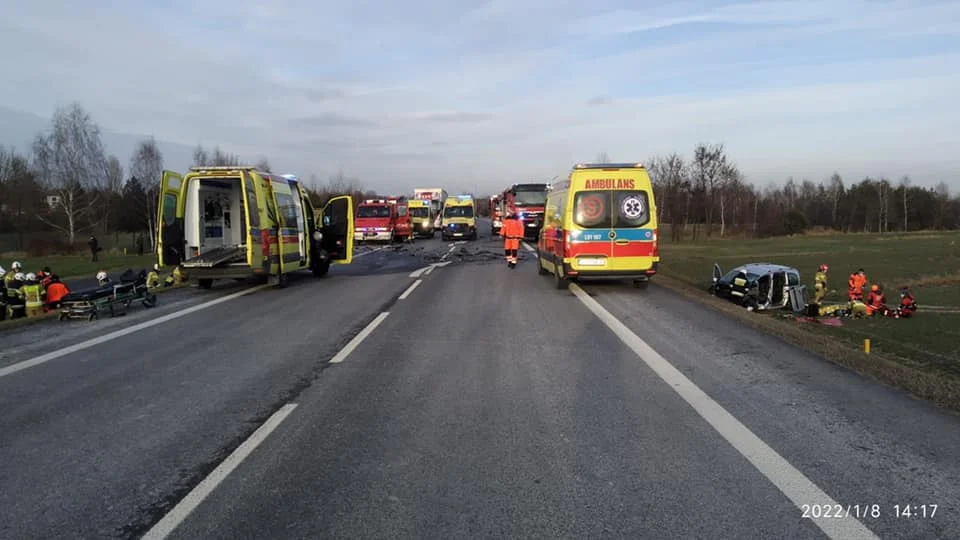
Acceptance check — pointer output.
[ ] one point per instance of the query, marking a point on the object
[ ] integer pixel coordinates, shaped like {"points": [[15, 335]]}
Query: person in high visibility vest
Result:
{"points": [[33, 295], [512, 233], [153, 278], [820, 284], [56, 291], [11, 275], [15, 307]]}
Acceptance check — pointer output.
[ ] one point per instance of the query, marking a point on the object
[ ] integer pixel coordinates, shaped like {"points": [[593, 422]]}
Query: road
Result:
{"points": [[429, 391]]}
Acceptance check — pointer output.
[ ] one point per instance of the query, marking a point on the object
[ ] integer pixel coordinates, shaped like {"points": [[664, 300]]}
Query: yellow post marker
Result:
{"points": [[866, 346], [124, 251]]}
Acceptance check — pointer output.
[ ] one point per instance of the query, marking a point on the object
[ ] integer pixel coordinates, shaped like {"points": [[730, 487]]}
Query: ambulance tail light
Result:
{"points": [[265, 242], [567, 240]]}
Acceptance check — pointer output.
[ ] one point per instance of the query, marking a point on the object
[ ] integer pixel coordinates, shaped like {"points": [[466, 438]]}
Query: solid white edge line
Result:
{"points": [[358, 339], [70, 349], [184, 508], [410, 289], [527, 247], [790, 481]]}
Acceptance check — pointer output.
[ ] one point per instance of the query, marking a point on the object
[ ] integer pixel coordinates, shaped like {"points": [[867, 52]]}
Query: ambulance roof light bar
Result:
{"points": [[608, 166], [204, 168], [375, 201]]}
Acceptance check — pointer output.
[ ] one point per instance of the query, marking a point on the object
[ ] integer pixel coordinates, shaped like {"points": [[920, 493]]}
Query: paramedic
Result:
{"points": [[153, 278], [907, 304], [46, 276], [876, 301], [10, 275], [15, 296], [33, 296], [56, 291], [855, 285], [820, 284], [512, 233]]}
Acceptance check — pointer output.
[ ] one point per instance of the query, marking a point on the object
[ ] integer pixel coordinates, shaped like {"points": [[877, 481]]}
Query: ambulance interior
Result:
{"points": [[214, 217]]}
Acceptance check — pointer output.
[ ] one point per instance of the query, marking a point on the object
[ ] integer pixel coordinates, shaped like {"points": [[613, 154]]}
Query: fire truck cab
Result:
{"points": [[376, 220], [527, 201], [403, 231]]}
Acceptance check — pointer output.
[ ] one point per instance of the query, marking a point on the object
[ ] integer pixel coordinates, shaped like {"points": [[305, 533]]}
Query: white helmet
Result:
{"points": [[31, 276], [16, 266], [18, 276], [101, 275], [156, 267]]}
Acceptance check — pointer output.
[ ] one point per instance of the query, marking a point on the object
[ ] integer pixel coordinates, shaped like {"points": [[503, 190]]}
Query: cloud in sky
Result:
{"points": [[479, 94]]}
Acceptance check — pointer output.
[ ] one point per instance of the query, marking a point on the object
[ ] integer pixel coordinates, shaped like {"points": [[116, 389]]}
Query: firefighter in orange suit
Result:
{"points": [[512, 233]]}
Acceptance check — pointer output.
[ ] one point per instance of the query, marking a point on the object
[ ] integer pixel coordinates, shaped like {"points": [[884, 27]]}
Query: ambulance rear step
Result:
{"points": [[216, 257]]}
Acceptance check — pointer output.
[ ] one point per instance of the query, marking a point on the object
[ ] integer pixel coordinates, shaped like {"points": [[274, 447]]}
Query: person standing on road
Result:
{"points": [[512, 233]]}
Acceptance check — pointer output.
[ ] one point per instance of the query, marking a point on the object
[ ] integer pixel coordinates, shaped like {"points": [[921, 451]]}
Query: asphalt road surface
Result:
{"points": [[428, 391]]}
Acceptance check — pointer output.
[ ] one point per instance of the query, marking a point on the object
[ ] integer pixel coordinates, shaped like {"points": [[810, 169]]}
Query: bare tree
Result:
{"points": [[708, 162], [836, 193], [729, 179], [71, 163], [905, 185], [146, 165], [263, 165], [602, 157], [670, 176], [200, 156]]}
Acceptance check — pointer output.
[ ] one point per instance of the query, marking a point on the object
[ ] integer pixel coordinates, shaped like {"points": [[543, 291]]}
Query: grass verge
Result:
{"points": [[79, 266]]}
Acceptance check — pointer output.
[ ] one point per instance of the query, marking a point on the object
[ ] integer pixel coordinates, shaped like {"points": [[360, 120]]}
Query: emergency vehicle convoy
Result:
{"points": [[526, 201], [496, 215], [237, 222], [459, 218], [376, 220], [600, 223]]}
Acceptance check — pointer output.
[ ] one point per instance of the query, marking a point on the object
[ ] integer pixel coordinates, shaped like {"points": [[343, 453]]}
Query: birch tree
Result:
{"points": [[71, 164], [146, 165]]}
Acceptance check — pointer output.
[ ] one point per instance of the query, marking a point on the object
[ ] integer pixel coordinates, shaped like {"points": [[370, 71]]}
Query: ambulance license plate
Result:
{"points": [[592, 261], [458, 234]]}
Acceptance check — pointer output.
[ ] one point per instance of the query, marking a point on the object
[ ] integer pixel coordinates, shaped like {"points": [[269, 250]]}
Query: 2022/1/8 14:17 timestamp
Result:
{"points": [[864, 511]]}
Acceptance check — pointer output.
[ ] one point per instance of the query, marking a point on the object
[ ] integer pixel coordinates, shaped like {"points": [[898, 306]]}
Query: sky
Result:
{"points": [[475, 95]]}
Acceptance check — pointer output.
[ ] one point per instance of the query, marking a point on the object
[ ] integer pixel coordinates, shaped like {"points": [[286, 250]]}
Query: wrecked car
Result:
{"points": [[756, 286]]}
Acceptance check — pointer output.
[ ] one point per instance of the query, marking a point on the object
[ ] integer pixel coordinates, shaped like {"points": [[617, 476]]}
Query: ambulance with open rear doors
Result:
{"points": [[600, 223], [236, 222]]}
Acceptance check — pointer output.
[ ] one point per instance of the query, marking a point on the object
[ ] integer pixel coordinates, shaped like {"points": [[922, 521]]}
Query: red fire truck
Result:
{"points": [[403, 227], [496, 216], [527, 201], [376, 220]]}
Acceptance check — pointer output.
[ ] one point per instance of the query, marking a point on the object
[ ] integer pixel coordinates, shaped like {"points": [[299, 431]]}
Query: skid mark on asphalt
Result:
{"points": [[790, 481]]}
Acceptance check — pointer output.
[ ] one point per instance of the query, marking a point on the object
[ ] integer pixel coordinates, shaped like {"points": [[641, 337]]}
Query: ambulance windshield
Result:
{"points": [[458, 211], [419, 211]]}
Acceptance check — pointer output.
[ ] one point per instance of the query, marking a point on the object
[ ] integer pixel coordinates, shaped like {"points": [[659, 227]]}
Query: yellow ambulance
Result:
{"points": [[459, 218], [601, 222], [235, 222]]}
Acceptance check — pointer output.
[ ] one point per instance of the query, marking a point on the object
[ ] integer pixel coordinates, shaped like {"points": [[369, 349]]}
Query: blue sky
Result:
{"points": [[480, 94]]}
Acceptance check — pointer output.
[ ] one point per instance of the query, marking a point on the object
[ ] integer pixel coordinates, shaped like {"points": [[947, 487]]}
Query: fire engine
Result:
{"points": [[527, 202], [376, 220], [496, 216]]}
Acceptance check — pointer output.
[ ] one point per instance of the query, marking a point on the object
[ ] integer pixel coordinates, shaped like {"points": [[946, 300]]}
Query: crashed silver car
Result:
{"points": [[756, 286]]}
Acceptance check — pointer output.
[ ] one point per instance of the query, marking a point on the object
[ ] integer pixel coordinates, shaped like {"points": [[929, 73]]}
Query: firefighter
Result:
{"points": [[855, 285], [820, 284], [512, 233], [46, 276], [15, 303], [908, 305], [32, 295], [10, 275], [876, 301], [153, 278]]}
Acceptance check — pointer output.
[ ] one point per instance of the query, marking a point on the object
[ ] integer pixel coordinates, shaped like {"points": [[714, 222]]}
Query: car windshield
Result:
{"points": [[530, 198], [458, 211], [419, 212], [402, 211], [373, 212]]}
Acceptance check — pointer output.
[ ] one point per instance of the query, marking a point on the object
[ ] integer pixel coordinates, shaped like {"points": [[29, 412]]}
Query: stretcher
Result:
{"points": [[112, 298]]}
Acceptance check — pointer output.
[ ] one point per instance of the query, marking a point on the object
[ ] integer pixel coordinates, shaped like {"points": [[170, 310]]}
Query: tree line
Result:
{"points": [[708, 195], [68, 187]]}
